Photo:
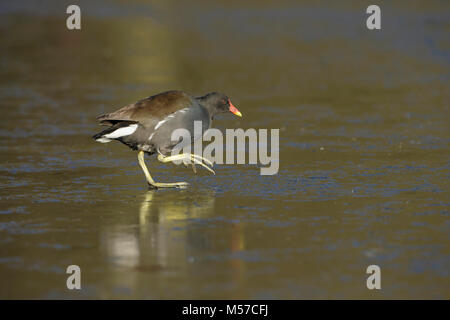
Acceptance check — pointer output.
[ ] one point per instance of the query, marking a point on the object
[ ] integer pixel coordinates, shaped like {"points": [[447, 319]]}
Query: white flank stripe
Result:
{"points": [[159, 124], [121, 132]]}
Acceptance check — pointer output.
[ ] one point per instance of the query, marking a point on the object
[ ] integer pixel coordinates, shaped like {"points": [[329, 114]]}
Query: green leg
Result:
{"points": [[152, 182]]}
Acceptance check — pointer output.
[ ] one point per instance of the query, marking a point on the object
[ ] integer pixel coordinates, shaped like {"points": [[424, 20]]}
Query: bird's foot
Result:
{"points": [[157, 185], [186, 164], [195, 160], [192, 158]]}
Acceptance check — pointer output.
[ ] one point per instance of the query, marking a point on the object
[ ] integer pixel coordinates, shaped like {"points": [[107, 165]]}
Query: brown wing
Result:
{"points": [[149, 110]]}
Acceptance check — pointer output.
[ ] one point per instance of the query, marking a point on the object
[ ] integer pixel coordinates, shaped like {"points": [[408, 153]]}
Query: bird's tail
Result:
{"points": [[118, 130], [100, 137]]}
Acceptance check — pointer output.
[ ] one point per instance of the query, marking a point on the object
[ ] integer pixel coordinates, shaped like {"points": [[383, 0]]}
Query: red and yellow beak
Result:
{"points": [[234, 110]]}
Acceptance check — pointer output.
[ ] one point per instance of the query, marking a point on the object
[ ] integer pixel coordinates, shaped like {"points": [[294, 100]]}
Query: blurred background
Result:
{"points": [[364, 151]]}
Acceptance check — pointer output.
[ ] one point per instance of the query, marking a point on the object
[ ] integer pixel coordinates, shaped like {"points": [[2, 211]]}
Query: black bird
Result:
{"points": [[147, 126]]}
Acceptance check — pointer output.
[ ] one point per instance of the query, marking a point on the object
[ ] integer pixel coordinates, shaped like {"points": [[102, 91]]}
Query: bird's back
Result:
{"points": [[148, 110]]}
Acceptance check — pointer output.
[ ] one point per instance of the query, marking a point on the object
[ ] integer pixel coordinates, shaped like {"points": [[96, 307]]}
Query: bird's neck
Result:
{"points": [[203, 102]]}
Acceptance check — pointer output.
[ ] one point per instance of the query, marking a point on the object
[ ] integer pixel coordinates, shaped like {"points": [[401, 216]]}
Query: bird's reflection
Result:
{"points": [[169, 233], [160, 231], [164, 224]]}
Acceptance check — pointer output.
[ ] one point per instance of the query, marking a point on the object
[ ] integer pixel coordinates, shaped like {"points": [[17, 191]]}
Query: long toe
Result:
{"points": [[180, 185], [203, 165], [207, 161]]}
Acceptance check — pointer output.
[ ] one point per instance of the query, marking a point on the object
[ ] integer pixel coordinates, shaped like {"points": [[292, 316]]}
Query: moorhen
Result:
{"points": [[147, 126]]}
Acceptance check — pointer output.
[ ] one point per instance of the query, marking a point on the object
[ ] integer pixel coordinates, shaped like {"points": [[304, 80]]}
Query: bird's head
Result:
{"points": [[219, 103]]}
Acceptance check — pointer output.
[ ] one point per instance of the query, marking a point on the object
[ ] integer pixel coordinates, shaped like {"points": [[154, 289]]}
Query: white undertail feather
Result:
{"points": [[121, 132], [103, 140]]}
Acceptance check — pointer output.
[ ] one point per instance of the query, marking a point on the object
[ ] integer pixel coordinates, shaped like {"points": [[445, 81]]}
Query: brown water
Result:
{"points": [[364, 151]]}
